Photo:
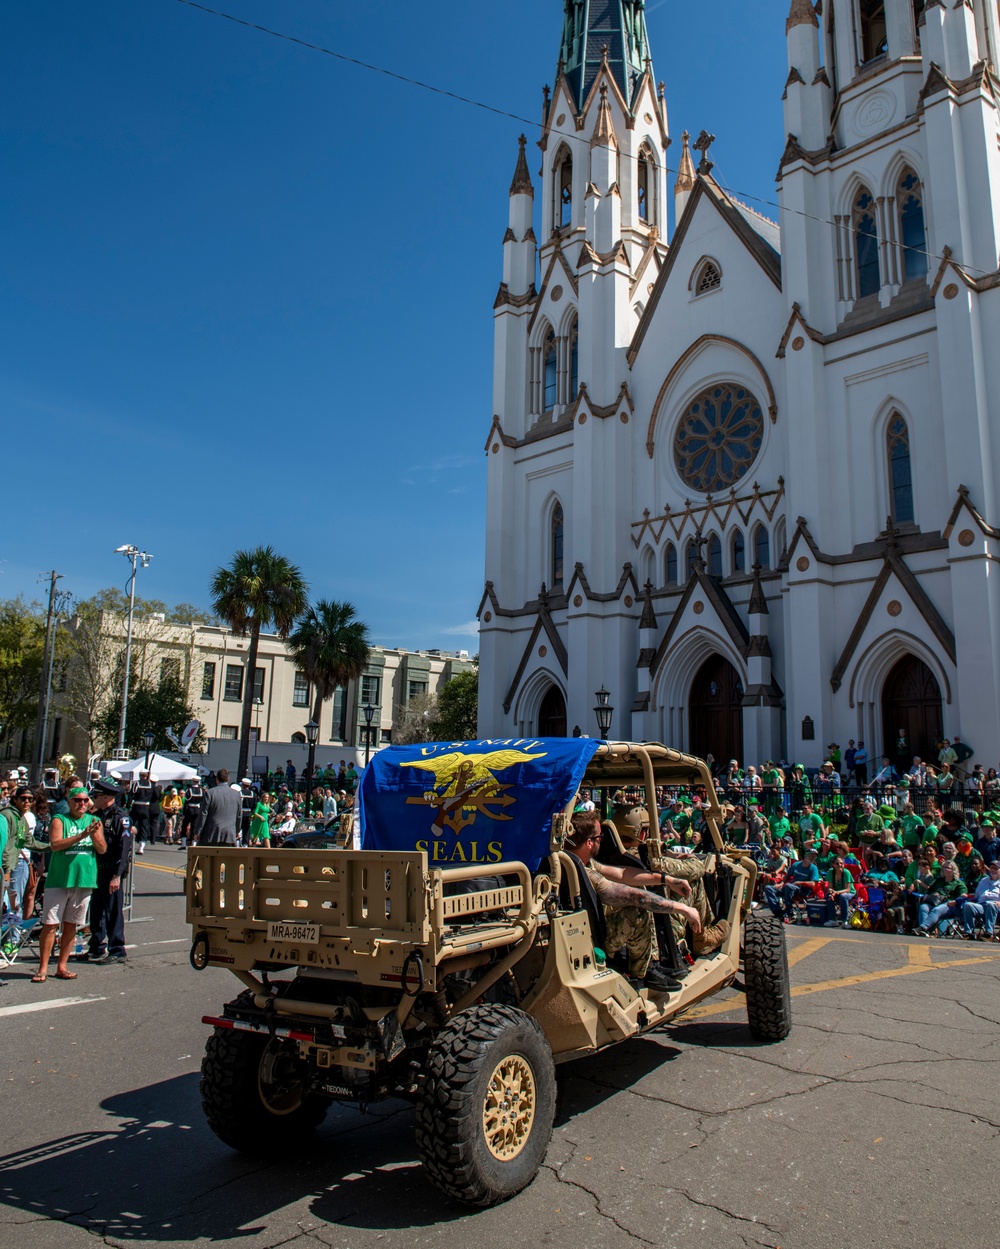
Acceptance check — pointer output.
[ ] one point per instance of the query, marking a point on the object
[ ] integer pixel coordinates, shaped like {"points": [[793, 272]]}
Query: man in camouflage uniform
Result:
{"points": [[684, 876], [628, 905]]}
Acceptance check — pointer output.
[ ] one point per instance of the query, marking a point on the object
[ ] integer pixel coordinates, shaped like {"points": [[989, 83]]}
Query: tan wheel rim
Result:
{"points": [[279, 1081], [509, 1110]]}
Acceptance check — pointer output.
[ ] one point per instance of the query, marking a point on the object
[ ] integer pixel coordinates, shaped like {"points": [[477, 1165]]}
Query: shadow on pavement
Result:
{"points": [[156, 1173]]}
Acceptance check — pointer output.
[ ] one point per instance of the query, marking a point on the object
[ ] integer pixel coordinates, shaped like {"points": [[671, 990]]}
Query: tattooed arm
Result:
{"points": [[614, 894]]}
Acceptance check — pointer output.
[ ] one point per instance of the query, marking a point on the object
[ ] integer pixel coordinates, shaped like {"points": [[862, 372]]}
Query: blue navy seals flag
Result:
{"points": [[471, 802]]}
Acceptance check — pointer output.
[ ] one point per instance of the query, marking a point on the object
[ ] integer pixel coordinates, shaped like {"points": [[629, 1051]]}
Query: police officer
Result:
{"points": [[193, 803], [144, 810], [107, 917]]}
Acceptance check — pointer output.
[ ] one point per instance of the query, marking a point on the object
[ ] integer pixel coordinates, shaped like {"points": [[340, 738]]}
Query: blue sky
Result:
{"points": [[247, 289]]}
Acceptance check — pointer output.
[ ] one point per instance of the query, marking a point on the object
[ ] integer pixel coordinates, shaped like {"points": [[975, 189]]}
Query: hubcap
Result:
{"points": [[509, 1110], [280, 1080]]}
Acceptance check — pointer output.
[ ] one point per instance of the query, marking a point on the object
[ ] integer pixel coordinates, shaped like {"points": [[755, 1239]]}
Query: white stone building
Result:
{"points": [[821, 399]]}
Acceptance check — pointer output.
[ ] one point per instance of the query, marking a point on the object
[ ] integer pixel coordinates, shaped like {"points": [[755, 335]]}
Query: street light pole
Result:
{"points": [[312, 735], [149, 740], [42, 722], [132, 554], [369, 711], [604, 712]]}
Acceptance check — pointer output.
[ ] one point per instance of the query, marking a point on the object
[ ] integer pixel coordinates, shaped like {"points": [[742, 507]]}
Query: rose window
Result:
{"points": [[719, 438]]}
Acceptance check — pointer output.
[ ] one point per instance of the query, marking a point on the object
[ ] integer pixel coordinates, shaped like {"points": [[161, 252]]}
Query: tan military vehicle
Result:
{"points": [[455, 973]]}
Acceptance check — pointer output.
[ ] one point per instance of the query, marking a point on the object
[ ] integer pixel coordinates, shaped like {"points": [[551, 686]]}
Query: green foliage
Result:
{"points": [[457, 715], [260, 589], [157, 707], [22, 651], [330, 646]]}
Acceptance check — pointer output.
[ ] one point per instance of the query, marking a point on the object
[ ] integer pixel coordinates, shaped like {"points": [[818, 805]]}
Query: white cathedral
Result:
{"points": [[743, 475]]}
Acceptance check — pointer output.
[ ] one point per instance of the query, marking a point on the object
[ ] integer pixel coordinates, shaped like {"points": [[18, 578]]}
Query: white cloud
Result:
{"points": [[469, 630]]}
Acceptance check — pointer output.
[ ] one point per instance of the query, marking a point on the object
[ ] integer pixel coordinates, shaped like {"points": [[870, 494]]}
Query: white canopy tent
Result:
{"points": [[164, 769]]}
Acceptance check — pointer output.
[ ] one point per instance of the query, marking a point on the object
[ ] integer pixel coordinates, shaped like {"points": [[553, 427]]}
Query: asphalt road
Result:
{"points": [[875, 1122]]}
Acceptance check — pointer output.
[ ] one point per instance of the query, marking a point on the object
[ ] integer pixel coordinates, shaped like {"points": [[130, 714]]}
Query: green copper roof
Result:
{"points": [[590, 26]]}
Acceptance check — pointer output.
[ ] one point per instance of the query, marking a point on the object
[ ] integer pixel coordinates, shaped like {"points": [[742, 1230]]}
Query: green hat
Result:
{"points": [[965, 837], [986, 821], [886, 812]]}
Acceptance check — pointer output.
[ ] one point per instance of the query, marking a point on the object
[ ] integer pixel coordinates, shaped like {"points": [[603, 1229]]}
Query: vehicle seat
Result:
{"points": [[579, 895]]}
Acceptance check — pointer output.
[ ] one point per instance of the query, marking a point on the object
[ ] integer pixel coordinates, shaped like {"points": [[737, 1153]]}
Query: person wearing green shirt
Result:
{"points": [[840, 893], [260, 822], [75, 841], [868, 827], [943, 900], [810, 825], [780, 826], [825, 856], [912, 828]]}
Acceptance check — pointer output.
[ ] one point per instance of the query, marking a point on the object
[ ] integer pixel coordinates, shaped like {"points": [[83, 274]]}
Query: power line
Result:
{"points": [[351, 60], [501, 112]]}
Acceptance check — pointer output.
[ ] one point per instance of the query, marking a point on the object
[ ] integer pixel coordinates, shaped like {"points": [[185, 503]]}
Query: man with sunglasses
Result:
{"points": [[18, 842], [75, 841], [107, 918]]}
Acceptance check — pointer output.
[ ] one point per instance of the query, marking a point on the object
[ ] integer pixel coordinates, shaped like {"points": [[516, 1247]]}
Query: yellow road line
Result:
{"points": [[806, 948], [914, 968]]}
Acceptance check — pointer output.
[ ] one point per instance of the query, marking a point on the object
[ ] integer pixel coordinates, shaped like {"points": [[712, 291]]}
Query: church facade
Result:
{"points": [[743, 474]]}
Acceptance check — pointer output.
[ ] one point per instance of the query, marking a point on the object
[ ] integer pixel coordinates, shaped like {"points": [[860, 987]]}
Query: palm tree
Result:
{"points": [[330, 648], [259, 590]]}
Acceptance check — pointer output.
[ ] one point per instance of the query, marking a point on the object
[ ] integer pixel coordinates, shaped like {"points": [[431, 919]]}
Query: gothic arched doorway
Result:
{"points": [[717, 711], [552, 714], [911, 700]]}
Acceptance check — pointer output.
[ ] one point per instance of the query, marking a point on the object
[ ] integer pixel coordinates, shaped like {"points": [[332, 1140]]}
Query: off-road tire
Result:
{"points": [[765, 975], [233, 1104], [462, 1063]]}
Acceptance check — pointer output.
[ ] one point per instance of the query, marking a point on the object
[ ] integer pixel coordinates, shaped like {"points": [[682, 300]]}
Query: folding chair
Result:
{"points": [[18, 939]]}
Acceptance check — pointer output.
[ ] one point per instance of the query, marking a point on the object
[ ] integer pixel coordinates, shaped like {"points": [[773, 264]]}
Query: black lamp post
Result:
{"points": [[604, 712], [149, 740], [312, 736], [369, 711]]}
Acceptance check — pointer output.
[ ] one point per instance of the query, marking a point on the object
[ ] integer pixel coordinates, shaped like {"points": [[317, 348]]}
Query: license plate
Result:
{"points": [[300, 934]]}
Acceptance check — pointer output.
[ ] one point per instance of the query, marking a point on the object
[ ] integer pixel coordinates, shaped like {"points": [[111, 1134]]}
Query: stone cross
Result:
{"points": [[703, 144]]}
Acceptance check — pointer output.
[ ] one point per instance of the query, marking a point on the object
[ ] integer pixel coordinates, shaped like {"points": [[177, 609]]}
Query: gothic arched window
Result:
{"points": [[866, 245], [762, 547], [670, 564], [715, 555], [739, 553], [563, 215], [647, 187], [574, 361], [709, 278], [690, 558], [872, 29], [550, 373], [912, 232], [557, 539], [918, 13], [900, 473]]}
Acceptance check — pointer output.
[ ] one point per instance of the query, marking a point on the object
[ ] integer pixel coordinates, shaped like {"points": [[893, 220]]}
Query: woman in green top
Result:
{"points": [[943, 900], [75, 840], [260, 822], [840, 893]]}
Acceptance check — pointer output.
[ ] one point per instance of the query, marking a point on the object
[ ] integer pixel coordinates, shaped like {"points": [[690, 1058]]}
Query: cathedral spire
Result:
{"points": [[802, 12], [684, 182], [589, 26], [522, 177]]}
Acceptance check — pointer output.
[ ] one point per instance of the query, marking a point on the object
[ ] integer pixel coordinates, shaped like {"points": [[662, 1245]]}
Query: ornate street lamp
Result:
{"points": [[604, 712], [368, 711], [312, 736], [149, 741]]}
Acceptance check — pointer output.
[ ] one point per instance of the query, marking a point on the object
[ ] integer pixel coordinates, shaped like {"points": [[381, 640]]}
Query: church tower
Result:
{"points": [[890, 190], [560, 447]]}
